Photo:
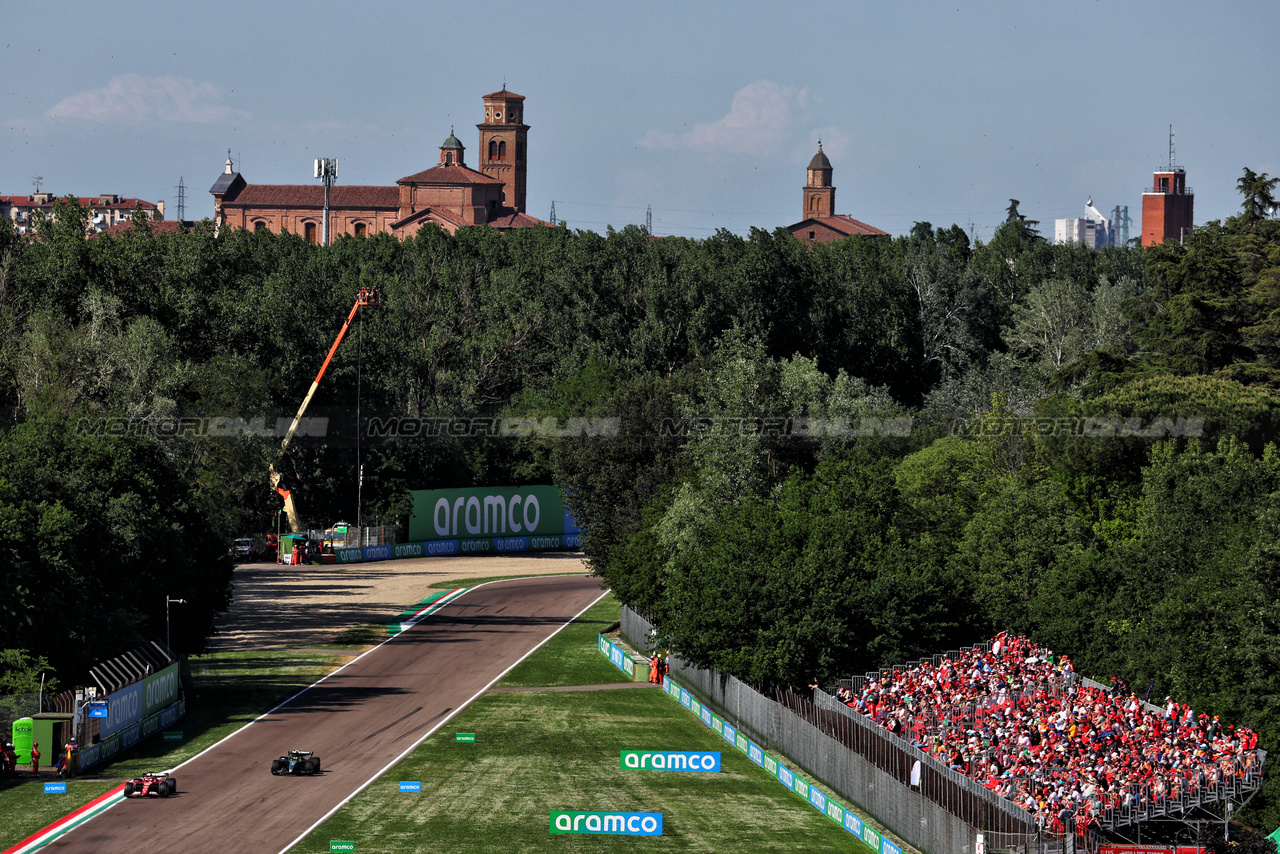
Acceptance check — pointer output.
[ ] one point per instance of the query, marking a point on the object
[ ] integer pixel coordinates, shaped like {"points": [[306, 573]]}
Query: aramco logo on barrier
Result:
{"points": [[631, 823], [671, 760]]}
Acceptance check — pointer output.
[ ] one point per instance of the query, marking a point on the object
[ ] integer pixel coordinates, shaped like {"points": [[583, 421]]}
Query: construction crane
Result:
{"points": [[364, 297]]}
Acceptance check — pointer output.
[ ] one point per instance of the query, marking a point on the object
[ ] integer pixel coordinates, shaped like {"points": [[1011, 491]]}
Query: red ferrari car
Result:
{"points": [[151, 784]]}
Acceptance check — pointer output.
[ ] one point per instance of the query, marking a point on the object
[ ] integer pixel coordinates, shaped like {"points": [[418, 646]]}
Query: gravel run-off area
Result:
{"points": [[276, 606]]}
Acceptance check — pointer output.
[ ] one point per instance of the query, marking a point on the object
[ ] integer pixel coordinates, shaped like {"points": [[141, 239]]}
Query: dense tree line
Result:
{"points": [[826, 459]]}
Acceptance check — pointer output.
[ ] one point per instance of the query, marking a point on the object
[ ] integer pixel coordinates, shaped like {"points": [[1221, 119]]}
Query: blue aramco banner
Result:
{"points": [[631, 823]]}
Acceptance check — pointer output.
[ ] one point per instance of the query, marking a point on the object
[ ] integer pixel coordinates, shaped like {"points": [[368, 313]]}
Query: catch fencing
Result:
{"points": [[378, 535], [867, 766]]}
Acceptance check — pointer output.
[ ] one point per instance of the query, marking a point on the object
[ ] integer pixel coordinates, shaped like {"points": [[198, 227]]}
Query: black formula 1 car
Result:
{"points": [[151, 784], [296, 762]]}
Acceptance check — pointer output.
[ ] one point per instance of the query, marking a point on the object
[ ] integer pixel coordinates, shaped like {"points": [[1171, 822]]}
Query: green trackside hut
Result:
{"points": [[288, 541]]}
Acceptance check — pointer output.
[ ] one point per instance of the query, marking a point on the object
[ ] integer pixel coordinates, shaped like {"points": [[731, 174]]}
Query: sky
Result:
{"points": [[706, 113]]}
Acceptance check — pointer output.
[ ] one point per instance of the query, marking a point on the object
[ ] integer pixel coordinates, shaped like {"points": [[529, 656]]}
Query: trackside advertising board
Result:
{"points": [[784, 775], [142, 699], [670, 760], [620, 657], [502, 512], [631, 823]]}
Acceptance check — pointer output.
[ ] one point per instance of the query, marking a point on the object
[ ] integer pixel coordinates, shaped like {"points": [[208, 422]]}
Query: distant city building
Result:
{"points": [[449, 194], [821, 224], [104, 211], [1093, 229]]}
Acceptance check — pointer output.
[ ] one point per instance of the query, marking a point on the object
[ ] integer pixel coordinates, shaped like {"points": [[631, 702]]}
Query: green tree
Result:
{"points": [[1259, 196]]}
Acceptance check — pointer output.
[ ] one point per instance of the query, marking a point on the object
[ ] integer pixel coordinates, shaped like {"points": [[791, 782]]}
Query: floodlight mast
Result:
{"points": [[364, 297]]}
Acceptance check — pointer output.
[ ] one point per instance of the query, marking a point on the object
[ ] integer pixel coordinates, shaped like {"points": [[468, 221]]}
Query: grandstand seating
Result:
{"points": [[1072, 752]]}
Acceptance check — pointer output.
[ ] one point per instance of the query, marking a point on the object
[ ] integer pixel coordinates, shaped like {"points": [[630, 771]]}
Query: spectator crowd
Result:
{"points": [[1018, 720]]}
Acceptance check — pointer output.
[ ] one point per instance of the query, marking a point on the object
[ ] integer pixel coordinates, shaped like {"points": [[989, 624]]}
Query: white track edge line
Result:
{"points": [[435, 728], [440, 602], [306, 689]]}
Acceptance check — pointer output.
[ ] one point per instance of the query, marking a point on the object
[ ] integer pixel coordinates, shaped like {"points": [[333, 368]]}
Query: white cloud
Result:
{"points": [[134, 99], [757, 123]]}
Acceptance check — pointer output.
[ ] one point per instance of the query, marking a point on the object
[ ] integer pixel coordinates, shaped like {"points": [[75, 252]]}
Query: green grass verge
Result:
{"points": [[225, 691], [542, 751], [571, 657], [359, 637], [25, 808]]}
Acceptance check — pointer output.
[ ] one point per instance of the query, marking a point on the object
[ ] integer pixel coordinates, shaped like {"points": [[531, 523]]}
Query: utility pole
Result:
{"points": [[167, 603], [326, 168]]}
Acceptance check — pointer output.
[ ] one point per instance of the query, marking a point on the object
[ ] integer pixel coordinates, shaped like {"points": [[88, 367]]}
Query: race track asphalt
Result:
{"points": [[357, 721]]}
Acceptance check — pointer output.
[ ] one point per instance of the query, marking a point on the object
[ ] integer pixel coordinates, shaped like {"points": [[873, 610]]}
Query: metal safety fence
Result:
{"points": [[943, 814]]}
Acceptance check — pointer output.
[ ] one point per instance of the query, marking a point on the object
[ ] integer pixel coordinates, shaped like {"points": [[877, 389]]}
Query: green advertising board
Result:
{"points": [[496, 511], [336, 845], [465, 736]]}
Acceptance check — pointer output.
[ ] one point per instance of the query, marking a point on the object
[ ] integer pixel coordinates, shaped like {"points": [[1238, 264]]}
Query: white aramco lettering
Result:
{"points": [[511, 513]]}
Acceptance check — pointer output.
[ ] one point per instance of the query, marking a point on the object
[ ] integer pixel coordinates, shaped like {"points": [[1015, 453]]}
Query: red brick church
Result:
{"points": [[821, 224], [449, 194]]}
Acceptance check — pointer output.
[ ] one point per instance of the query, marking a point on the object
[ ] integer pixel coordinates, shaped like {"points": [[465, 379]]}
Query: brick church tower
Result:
{"points": [[819, 195], [503, 150]]}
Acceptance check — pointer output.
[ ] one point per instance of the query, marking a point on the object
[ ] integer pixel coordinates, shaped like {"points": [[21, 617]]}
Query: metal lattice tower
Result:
{"points": [[553, 211], [182, 200], [326, 168], [648, 219]]}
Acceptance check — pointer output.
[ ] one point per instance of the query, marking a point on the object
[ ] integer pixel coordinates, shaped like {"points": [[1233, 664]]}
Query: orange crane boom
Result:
{"points": [[364, 297]]}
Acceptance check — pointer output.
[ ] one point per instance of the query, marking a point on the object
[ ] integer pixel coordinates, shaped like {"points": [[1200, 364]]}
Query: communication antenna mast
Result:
{"points": [[37, 181], [182, 200], [648, 219], [553, 211], [326, 168], [1171, 157]]}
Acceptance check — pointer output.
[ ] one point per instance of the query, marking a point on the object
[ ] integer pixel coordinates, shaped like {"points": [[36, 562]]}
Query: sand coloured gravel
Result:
{"points": [[276, 606]]}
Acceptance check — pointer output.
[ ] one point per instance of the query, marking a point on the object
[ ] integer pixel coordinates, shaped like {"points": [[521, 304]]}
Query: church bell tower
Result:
{"points": [[819, 195], [503, 136]]}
